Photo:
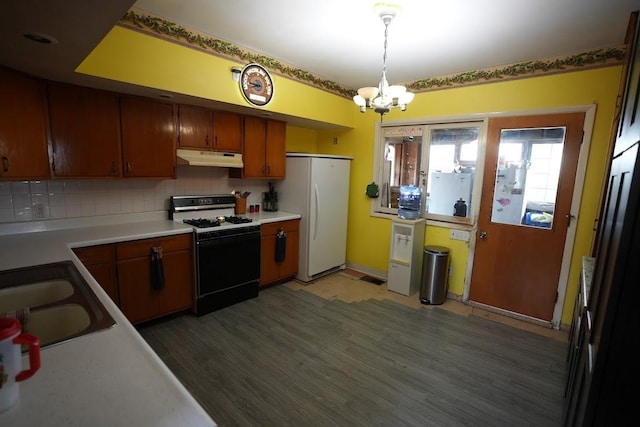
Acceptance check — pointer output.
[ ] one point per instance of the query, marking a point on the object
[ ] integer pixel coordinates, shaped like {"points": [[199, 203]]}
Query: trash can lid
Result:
{"points": [[436, 249]]}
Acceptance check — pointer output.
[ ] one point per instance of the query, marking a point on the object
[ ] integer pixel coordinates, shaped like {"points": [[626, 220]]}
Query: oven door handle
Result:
{"points": [[216, 241]]}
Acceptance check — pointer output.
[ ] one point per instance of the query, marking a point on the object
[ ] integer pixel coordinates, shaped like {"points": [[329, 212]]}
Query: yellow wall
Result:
{"points": [[368, 237], [301, 140], [136, 58]]}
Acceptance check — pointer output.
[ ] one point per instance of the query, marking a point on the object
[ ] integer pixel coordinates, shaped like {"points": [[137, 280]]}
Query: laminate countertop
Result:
{"points": [[107, 378]]}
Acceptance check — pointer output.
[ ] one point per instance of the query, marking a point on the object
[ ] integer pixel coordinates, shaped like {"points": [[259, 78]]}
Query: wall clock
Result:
{"points": [[256, 84]]}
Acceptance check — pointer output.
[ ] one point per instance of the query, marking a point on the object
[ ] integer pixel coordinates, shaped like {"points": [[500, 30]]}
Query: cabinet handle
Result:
{"points": [[128, 168], [268, 170], [215, 141], [114, 171], [206, 140], [5, 164]]}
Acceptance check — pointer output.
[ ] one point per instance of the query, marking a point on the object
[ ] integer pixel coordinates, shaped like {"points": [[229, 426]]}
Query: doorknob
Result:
{"points": [[483, 235]]}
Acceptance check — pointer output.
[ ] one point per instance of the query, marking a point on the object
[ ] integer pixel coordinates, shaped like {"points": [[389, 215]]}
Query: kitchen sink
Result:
{"points": [[34, 294], [53, 302]]}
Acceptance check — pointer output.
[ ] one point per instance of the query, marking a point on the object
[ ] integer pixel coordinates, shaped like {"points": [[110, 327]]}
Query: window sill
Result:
{"points": [[444, 222]]}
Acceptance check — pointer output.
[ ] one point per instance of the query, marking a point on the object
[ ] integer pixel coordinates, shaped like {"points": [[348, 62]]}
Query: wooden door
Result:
{"points": [[85, 132], [254, 147], [195, 127], [227, 131], [23, 135], [517, 264], [148, 138], [275, 152]]}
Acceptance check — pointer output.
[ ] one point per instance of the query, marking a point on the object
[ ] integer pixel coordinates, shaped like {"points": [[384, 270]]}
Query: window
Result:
{"points": [[440, 159]]}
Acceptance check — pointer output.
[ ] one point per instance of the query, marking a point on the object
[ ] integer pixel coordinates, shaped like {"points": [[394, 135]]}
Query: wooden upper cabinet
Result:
{"points": [[148, 138], [275, 152], [195, 128], [85, 132], [255, 132], [23, 128], [227, 132], [264, 151], [204, 129]]}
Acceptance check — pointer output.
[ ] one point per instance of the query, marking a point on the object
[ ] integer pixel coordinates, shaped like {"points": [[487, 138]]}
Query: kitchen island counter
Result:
{"points": [[108, 378], [111, 377]]}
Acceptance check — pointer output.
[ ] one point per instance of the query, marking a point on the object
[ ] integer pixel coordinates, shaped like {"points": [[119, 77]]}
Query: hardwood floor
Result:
{"points": [[293, 358]]}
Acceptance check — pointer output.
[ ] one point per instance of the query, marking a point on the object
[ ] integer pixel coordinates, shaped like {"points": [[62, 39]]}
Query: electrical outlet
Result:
{"points": [[459, 235], [38, 211]]}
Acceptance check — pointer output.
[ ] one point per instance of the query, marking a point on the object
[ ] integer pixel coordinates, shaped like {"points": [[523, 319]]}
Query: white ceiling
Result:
{"points": [[341, 40]]}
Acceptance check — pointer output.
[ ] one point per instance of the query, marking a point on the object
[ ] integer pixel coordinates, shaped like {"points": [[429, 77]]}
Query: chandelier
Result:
{"points": [[383, 98]]}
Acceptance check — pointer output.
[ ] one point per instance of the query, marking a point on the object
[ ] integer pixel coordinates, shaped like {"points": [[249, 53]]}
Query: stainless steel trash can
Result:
{"points": [[435, 271]]}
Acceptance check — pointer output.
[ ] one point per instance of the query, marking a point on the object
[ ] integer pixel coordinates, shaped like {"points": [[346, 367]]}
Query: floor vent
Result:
{"points": [[373, 280]]}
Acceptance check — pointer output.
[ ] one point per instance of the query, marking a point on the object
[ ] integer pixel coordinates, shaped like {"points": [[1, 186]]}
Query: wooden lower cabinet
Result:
{"points": [[101, 263], [140, 300], [124, 271], [272, 271]]}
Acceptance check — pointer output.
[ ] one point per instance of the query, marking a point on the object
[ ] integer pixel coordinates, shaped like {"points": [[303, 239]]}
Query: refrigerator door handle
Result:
{"points": [[315, 225]]}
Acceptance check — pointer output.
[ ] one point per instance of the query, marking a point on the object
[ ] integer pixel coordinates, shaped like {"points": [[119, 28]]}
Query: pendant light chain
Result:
{"points": [[384, 59]]}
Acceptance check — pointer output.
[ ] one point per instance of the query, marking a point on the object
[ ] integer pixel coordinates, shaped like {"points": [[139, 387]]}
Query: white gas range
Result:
{"points": [[227, 250]]}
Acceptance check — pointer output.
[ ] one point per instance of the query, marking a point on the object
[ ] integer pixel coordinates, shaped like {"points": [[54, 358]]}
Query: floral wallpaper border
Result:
{"points": [[157, 26]]}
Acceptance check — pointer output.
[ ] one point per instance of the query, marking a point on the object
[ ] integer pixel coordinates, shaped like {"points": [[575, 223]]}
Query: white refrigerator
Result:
{"points": [[317, 188]]}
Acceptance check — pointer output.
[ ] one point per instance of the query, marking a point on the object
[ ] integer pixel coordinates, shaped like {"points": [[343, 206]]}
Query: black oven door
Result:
{"points": [[228, 261]]}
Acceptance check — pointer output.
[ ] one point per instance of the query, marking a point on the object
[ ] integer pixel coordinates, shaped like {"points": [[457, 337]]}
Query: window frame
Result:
{"points": [[427, 125]]}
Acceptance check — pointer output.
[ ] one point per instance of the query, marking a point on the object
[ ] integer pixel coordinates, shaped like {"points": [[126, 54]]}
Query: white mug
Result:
{"points": [[11, 372]]}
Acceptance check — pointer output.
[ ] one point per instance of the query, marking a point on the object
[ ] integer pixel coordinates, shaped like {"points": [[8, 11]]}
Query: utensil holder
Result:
{"points": [[241, 206]]}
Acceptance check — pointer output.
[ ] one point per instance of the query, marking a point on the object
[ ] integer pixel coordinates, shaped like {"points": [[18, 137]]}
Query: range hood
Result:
{"points": [[209, 158]]}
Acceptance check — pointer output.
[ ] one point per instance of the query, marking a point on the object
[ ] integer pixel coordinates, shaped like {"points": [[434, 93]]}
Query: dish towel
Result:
{"points": [[157, 269], [281, 245]]}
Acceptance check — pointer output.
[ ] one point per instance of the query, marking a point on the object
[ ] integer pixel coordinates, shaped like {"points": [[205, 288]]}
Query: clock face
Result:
{"points": [[256, 85]]}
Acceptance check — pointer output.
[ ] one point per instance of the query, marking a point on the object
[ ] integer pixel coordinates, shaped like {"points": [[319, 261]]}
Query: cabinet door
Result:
{"points": [[85, 132], [269, 270], [255, 131], [195, 127], [23, 135], [629, 122], [227, 130], [289, 266], [139, 300], [148, 138], [101, 263], [275, 152]]}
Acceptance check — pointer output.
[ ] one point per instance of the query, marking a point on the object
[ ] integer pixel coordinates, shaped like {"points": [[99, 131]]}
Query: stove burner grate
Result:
{"points": [[202, 222], [207, 223], [237, 219]]}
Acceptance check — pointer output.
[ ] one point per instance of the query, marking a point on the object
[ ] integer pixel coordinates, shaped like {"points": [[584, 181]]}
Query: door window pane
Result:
{"points": [[527, 176]]}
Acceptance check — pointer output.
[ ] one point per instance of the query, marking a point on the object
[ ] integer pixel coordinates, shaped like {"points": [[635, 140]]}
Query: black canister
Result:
{"points": [[460, 208]]}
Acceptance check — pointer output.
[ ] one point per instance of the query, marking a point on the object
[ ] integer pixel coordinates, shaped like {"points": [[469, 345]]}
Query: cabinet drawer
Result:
{"points": [[142, 248], [91, 255], [272, 228]]}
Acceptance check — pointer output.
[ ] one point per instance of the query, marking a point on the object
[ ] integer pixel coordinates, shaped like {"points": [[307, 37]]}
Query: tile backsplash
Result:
{"points": [[57, 199]]}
